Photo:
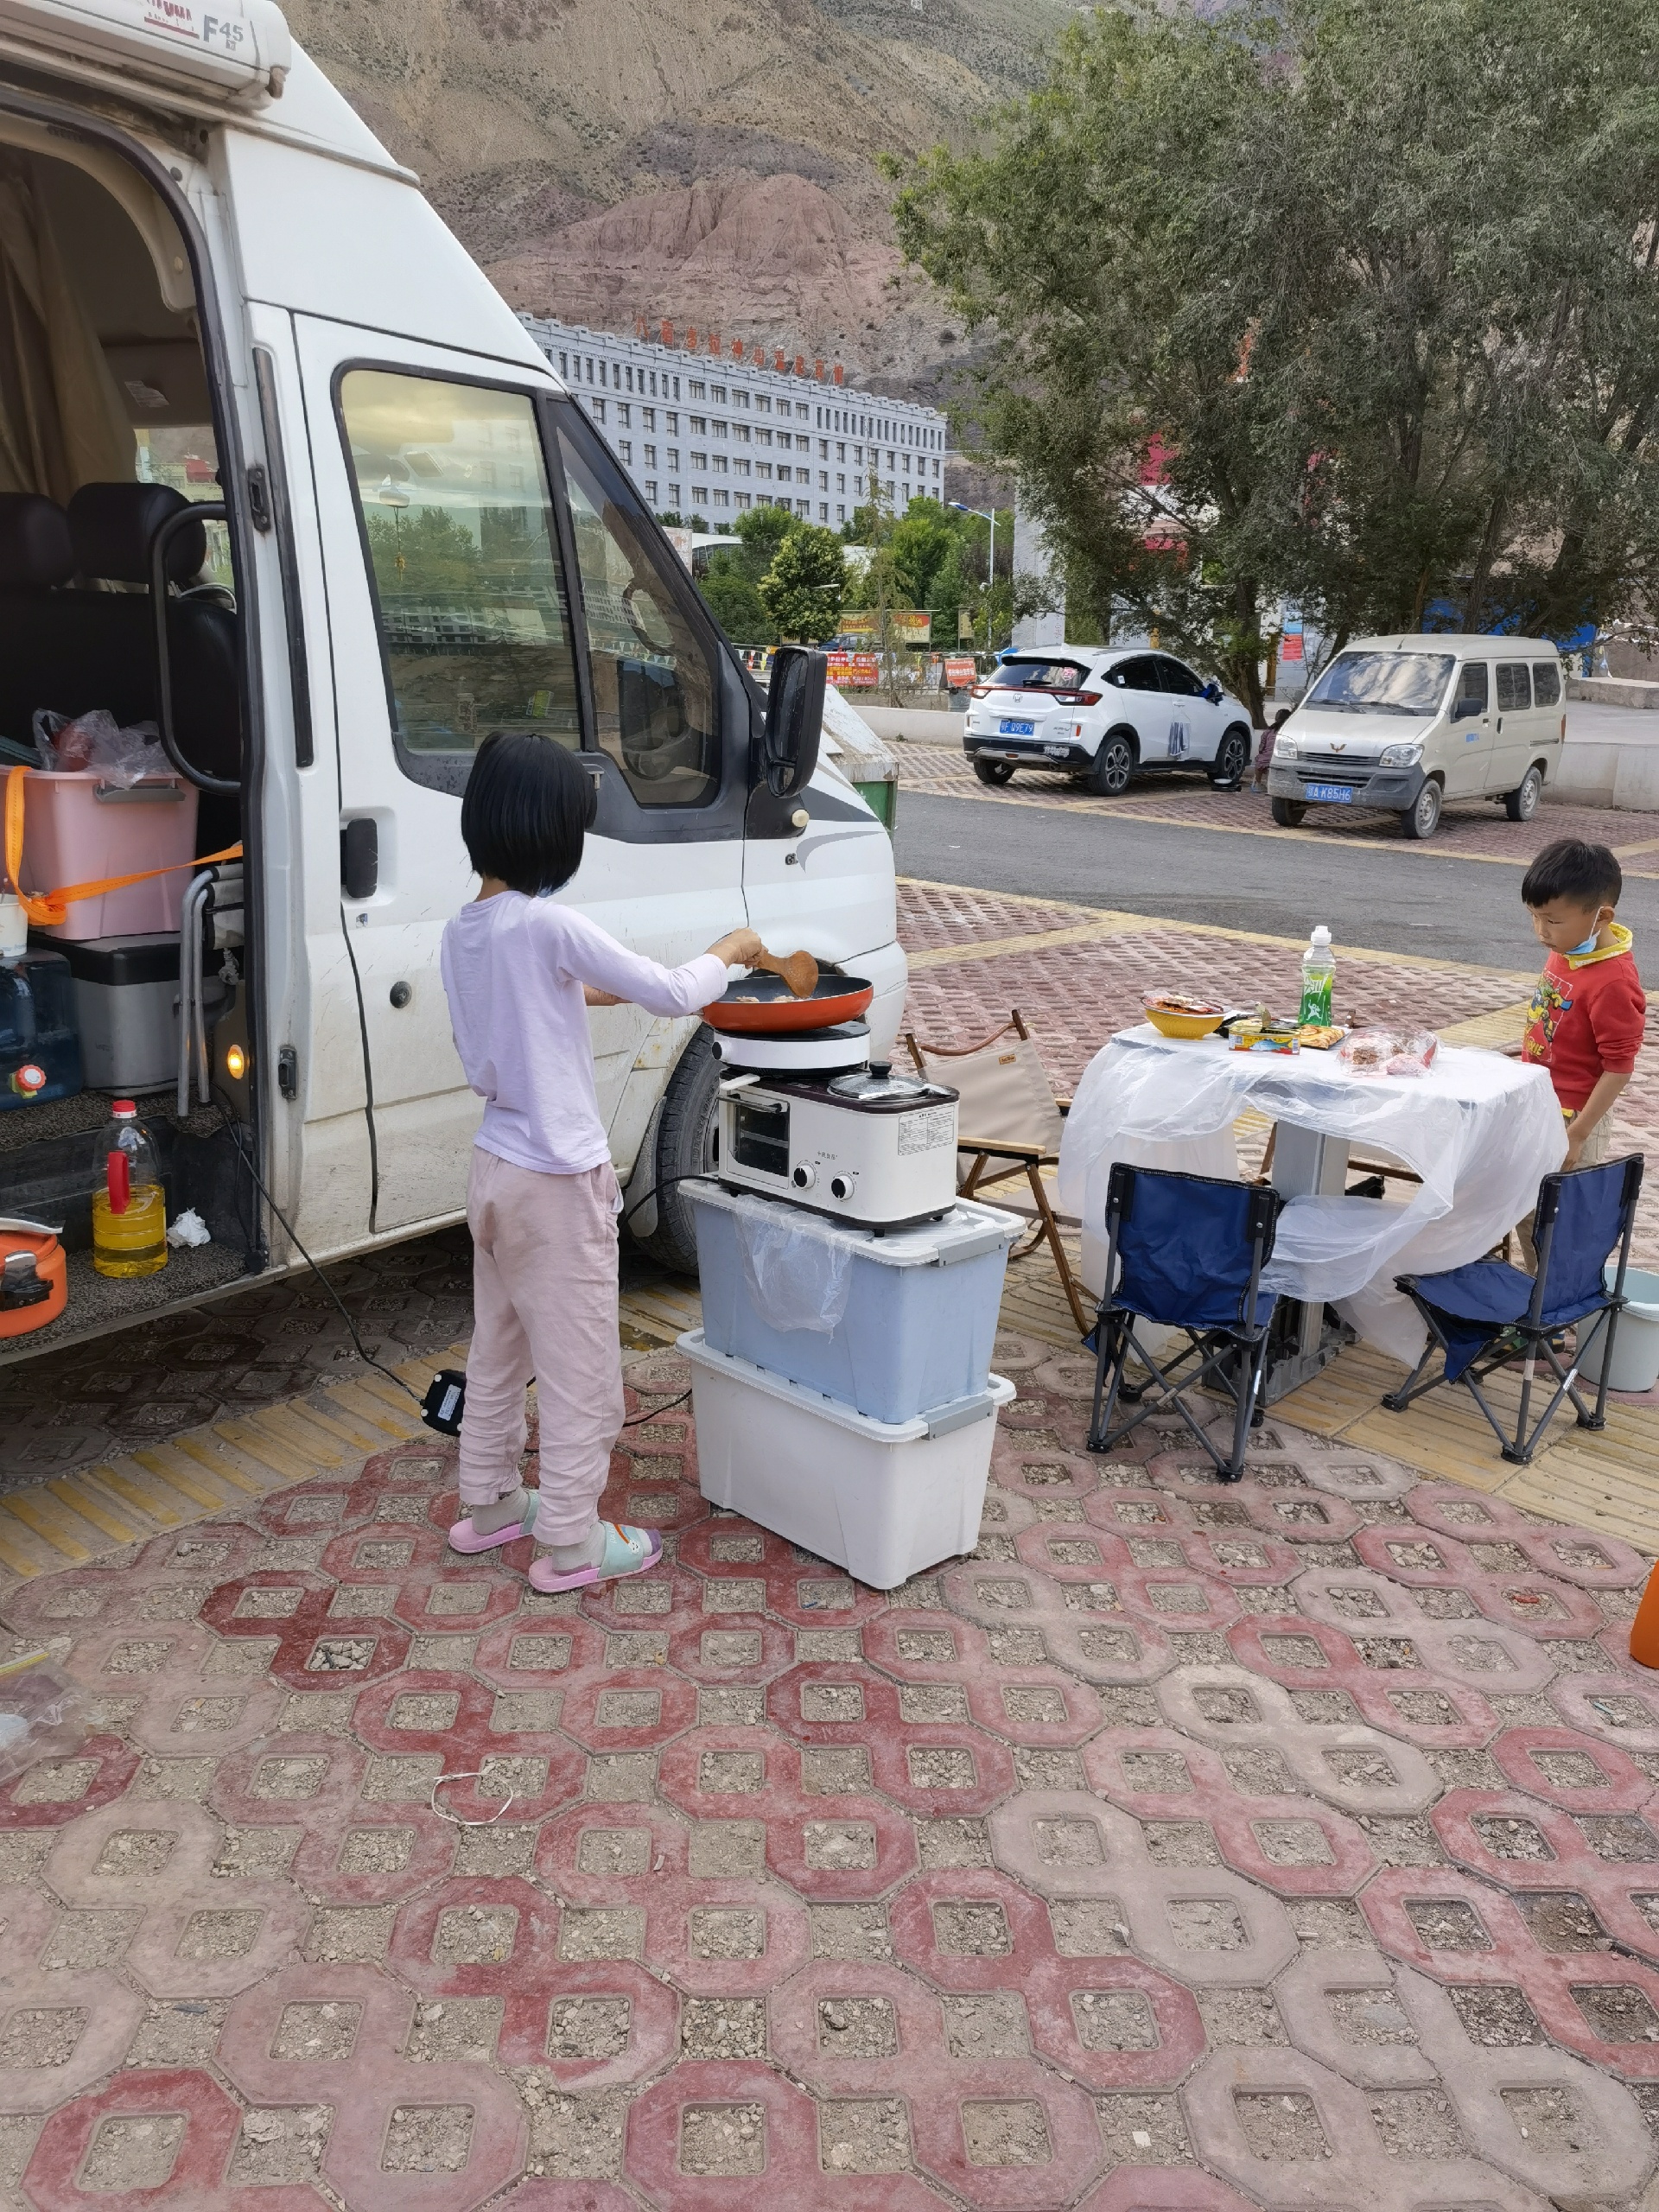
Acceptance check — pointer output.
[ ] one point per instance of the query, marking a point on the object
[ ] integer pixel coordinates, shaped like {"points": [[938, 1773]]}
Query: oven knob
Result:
{"points": [[841, 1186], [805, 1176]]}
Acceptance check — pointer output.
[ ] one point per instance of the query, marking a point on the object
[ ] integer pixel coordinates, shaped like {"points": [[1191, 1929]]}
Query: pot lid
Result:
{"points": [[880, 1082]]}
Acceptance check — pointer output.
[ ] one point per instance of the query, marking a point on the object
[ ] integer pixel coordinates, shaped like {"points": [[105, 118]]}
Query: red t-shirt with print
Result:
{"points": [[1585, 1022]]}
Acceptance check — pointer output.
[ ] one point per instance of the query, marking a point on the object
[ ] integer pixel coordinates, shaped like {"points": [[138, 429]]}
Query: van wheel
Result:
{"points": [[686, 1145], [1290, 813], [992, 772], [1521, 804], [1114, 766], [1423, 819], [1232, 757]]}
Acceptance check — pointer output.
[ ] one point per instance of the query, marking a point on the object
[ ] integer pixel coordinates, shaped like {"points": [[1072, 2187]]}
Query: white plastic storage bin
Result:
{"points": [[892, 1325], [883, 1499], [1635, 1341]]}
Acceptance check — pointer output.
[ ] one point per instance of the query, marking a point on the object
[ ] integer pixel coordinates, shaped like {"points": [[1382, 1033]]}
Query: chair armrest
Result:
{"points": [[1065, 1105]]}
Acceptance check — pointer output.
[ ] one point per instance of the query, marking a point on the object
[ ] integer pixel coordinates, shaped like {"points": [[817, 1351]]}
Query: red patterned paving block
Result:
{"points": [[1528, 1598], [100, 1770], [970, 1928], [1113, 2024], [998, 2115], [1593, 1562], [1460, 1929], [1033, 1707], [537, 2195], [1582, 1777], [711, 2132], [376, 2160], [628, 1708], [302, 2036], [96, 2014], [927, 1646], [190, 2126], [539, 1650], [1619, 1708], [316, 1643], [489, 1937], [1384, 1694], [450, 1714], [642, 1601], [859, 2028], [1477, 1653], [1031, 1470], [596, 2025], [743, 1650]]}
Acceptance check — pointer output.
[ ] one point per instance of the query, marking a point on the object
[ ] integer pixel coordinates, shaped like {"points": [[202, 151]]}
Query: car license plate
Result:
{"points": [[1331, 794], [1016, 729]]}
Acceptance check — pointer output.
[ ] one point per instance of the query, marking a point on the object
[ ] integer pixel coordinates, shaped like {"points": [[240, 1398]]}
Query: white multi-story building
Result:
{"points": [[703, 434]]}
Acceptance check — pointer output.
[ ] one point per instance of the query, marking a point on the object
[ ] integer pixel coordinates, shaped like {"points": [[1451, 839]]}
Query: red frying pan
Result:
{"points": [[762, 1004]]}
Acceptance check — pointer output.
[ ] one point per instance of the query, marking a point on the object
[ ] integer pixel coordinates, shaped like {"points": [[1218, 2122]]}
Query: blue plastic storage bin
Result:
{"points": [[892, 1325]]}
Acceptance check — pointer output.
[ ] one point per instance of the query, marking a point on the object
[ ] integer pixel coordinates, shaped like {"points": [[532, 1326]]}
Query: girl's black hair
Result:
{"points": [[1586, 874], [527, 810]]}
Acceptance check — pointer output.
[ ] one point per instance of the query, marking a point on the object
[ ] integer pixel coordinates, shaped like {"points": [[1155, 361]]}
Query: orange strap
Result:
{"points": [[50, 907]]}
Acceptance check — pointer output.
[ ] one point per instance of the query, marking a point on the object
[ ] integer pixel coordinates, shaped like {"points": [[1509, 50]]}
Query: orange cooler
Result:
{"points": [[79, 828]]}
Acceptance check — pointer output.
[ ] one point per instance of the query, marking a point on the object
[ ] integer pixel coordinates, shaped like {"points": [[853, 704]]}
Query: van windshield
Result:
{"points": [[1384, 684]]}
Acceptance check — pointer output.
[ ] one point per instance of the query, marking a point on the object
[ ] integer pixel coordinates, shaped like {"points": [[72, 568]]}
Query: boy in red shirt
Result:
{"points": [[1588, 1012]]}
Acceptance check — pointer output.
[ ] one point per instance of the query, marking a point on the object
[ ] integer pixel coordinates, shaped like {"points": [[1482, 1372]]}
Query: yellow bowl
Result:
{"points": [[1170, 1024]]}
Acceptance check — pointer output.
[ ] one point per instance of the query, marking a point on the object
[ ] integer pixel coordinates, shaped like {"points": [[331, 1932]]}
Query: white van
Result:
{"points": [[1409, 722], [225, 292]]}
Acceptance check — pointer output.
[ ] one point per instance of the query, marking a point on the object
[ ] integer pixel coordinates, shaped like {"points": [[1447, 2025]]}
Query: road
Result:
{"points": [[1390, 898]]}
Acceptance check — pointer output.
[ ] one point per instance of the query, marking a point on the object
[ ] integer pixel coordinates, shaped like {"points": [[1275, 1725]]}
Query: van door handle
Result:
{"points": [[359, 857], [1500, 725]]}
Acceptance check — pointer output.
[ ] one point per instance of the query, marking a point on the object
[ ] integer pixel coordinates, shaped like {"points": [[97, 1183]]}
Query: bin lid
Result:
{"points": [[966, 1232]]}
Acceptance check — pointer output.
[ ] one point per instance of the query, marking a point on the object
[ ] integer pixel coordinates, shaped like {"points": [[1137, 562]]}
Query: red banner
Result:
{"points": [[854, 671], [960, 674]]}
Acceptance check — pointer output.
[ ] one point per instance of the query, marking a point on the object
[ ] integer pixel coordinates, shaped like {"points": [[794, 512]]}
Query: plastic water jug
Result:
{"points": [[40, 1044], [129, 1213]]}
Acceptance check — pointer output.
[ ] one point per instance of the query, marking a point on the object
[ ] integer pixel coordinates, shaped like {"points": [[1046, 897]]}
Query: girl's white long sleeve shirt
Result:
{"points": [[513, 968]]}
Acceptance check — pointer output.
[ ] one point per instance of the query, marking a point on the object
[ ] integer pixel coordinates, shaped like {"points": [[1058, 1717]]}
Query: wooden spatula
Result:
{"points": [[799, 970]]}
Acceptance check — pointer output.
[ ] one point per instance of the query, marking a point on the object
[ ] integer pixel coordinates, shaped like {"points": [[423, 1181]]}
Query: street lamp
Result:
{"points": [[990, 572]]}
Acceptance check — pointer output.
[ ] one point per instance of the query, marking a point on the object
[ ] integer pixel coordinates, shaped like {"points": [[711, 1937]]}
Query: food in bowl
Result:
{"points": [[1174, 1015]]}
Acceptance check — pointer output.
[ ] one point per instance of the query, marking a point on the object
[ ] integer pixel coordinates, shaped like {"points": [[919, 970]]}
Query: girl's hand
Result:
{"points": [[739, 948]]}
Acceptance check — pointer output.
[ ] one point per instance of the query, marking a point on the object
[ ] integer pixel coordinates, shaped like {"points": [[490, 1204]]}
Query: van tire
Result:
{"points": [[1290, 813], [1226, 771], [1113, 765], [685, 1145], [1521, 804], [1422, 818], [992, 772]]}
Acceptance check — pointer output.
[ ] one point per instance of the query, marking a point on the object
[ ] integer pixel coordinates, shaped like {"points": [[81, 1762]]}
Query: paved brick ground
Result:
{"points": [[1476, 827], [1289, 1845]]}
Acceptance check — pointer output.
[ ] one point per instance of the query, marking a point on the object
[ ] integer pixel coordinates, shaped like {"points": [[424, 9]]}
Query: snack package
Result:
{"points": [[1253, 1037], [1415, 1055], [1367, 1051]]}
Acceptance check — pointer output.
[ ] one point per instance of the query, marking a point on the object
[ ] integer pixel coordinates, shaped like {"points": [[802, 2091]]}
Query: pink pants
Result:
{"points": [[544, 1304]]}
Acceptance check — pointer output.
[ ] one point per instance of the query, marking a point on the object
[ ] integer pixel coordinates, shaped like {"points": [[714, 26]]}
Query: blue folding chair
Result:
{"points": [[1186, 1251], [1479, 1316]]}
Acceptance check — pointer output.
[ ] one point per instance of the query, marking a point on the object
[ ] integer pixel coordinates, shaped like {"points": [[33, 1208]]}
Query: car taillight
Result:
{"points": [[1076, 698], [979, 691]]}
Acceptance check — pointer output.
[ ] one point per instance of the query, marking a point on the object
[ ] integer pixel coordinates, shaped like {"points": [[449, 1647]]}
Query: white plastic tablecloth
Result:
{"points": [[1480, 1129]]}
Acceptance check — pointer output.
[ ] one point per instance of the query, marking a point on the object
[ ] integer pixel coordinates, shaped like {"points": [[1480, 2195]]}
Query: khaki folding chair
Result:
{"points": [[1008, 1124]]}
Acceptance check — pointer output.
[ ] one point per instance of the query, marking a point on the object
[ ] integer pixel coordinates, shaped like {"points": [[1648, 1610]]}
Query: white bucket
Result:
{"points": [[1635, 1343]]}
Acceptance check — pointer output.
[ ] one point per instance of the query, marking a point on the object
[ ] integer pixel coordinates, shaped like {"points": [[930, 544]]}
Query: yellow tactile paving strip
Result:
{"points": [[208, 1470]]}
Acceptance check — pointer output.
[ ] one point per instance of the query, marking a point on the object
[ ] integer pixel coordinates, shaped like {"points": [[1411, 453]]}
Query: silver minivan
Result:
{"points": [[1409, 722]]}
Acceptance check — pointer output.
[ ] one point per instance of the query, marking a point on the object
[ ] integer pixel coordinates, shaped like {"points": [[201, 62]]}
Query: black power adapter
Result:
{"points": [[445, 1402]]}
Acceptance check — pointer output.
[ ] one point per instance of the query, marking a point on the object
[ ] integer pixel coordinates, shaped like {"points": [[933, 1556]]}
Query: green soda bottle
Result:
{"points": [[1318, 978]]}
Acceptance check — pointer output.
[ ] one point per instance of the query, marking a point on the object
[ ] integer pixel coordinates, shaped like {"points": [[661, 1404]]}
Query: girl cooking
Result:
{"points": [[519, 970]]}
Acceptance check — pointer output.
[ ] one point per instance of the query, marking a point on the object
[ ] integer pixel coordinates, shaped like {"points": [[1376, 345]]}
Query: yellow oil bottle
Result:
{"points": [[129, 1213]]}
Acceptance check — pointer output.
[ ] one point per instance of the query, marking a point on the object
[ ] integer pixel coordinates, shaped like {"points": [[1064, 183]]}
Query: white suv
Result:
{"points": [[1102, 714]]}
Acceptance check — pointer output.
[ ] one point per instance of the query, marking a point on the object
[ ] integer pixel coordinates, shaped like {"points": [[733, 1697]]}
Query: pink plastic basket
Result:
{"points": [[79, 828]]}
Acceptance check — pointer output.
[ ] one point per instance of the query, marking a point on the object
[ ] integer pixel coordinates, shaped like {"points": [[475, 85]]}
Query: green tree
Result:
{"points": [[425, 550], [803, 589], [731, 585], [1312, 305]]}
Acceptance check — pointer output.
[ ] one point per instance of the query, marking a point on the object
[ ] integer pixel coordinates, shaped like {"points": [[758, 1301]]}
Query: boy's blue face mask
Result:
{"points": [[1577, 951]]}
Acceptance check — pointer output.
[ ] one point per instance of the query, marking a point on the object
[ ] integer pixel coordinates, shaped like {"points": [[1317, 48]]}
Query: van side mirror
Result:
{"points": [[794, 718]]}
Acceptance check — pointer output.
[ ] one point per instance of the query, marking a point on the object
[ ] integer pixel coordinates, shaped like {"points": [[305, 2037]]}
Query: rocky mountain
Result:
{"points": [[702, 161]]}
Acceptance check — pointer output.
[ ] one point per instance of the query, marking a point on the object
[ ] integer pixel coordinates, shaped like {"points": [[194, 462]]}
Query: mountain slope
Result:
{"points": [[710, 162]]}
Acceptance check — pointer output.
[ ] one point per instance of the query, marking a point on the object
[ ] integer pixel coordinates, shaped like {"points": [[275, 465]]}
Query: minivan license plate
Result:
{"points": [[1331, 794], [1016, 729]]}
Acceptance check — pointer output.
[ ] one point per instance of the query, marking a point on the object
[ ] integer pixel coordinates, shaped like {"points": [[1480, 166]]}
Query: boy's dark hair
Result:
{"points": [[527, 810], [1570, 868]]}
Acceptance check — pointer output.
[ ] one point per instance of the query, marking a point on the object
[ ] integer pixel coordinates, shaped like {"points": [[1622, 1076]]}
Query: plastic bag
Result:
{"points": [[799, 1278], [42, 1713], [121, 756], [1385, 1052]]}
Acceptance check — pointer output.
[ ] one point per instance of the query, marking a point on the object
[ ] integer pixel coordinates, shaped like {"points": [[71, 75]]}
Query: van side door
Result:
{"points": [[1512, 733], [1468, 742], [456, 608], [1548, 716]]}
